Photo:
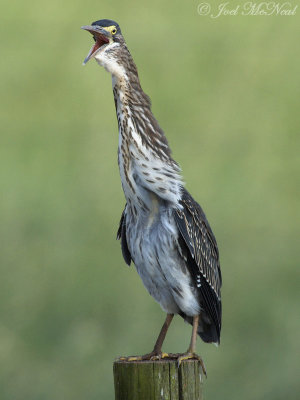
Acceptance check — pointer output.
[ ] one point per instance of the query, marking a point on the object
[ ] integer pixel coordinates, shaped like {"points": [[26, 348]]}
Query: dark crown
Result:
{"points": [[107, 22]]}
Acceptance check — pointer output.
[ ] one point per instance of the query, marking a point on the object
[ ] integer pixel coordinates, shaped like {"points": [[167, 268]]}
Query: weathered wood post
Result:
{"points": [[158, 380]]}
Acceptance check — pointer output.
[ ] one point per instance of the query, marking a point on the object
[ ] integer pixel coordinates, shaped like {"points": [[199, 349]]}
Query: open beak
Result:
{"points": [[101, 37]]}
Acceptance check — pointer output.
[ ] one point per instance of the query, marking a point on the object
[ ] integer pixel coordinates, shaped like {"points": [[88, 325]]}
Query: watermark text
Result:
{"points": [[265, 8]]}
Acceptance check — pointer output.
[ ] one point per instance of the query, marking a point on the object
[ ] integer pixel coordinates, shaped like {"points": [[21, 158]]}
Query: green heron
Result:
{"points": [[162, 229]]}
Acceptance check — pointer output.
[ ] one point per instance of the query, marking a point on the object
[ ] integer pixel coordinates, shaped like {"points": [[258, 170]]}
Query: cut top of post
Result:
{"points": [[155, 380]]}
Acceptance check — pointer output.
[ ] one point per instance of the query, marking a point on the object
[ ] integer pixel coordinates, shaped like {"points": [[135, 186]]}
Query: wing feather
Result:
{"points": [[203, 258], [122, 235]]}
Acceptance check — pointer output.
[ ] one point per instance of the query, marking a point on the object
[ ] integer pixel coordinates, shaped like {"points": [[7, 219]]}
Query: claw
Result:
{"points": [[153, 356], [130, 358], [134, 358], [192, 356], [156, 356]]}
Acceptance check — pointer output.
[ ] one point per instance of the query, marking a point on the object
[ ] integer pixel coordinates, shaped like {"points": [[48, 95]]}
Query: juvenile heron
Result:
{"points": [[162, 229]]}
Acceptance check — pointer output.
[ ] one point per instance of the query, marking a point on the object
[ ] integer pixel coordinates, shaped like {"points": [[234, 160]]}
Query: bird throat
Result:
{"points": [[147, 170]]}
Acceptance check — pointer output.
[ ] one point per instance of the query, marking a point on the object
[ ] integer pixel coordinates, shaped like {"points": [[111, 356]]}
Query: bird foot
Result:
{"points": [[187, 356], [153, 356], [158, 355]]}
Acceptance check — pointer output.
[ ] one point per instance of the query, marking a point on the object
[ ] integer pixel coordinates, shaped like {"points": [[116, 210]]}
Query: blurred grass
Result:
{"points": [[226, 92]]}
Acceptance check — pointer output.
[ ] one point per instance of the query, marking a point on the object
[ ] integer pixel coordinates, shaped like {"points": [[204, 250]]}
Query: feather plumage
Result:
{"points": [[202, 260], [122, 235]]}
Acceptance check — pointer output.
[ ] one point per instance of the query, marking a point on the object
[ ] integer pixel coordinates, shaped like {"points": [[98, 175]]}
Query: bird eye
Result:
{"points": [[114, 31]]}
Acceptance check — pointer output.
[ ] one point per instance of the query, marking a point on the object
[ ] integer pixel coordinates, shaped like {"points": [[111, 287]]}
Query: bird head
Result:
{"points": [[109, 45]]}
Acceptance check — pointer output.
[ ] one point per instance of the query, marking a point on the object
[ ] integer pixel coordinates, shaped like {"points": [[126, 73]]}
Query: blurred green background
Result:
{"points": [[226, 92]]}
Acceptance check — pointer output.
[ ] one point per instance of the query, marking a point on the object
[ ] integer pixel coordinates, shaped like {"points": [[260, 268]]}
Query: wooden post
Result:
{"points": [[158, 380]]}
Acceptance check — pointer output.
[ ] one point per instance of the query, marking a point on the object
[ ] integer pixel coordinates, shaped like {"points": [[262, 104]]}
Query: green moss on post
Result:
{"points": [[158, 380]]}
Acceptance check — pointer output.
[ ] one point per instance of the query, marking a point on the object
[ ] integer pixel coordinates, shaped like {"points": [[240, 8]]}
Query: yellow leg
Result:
{"points": [[156, 353], [190, 354]]}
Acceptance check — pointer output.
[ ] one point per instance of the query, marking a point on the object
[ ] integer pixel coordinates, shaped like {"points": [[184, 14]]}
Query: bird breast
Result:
{"points": [[152, 242]]}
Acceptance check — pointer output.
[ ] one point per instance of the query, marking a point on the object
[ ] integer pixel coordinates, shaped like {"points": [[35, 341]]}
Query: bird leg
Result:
{"points": [[161, 337], [190, 354], [156, 353]]}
